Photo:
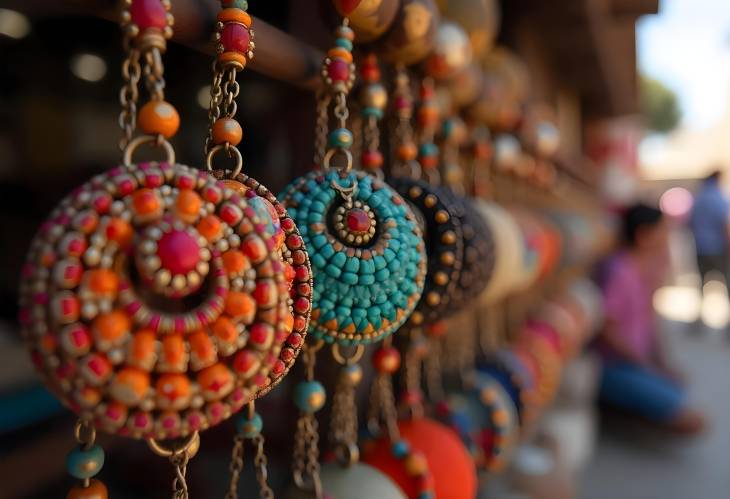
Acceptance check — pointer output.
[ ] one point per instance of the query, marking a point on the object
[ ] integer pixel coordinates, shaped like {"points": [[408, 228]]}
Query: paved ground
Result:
{"points": [[632, 462]]}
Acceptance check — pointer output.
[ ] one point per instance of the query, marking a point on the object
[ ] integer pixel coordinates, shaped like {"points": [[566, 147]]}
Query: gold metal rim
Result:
{"points": [[189, 446], [331, 153], [352, 359]]}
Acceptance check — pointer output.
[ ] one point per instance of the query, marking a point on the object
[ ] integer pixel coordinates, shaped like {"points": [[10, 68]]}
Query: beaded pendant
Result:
{"points": [[367, 254], [154, 304]]}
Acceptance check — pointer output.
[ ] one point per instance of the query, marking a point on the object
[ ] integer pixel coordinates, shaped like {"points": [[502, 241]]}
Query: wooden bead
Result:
{"points": [[227, 130], [159, 118], [95, 490]]}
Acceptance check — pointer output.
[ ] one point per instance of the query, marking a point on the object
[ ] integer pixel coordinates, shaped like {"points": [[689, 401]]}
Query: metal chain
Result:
{"points": [[341, 111], [343, 428], [434, 381], [371, 134], [223, 93], [154, 74], [321, 126], [262, 472], [216, 95], [179, 484], [235, 466], [129, 95]]}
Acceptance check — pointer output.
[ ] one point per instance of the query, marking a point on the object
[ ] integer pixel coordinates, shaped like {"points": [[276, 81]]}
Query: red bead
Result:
{"points": [[235, 38], [358, 221], [372, 159], [301, 305], [148, 14], [261, 334], [302, 273], [412, 397], [178, 251], [386, 360], [295, 339], [338, 70]]}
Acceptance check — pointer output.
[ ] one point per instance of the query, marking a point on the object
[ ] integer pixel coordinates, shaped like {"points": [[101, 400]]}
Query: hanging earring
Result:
{"points": [[133, 308], [368, 255], [235, 46]]}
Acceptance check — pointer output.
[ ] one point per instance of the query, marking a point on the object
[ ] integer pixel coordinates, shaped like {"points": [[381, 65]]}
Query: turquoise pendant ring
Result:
{"points": [[367, 253]]}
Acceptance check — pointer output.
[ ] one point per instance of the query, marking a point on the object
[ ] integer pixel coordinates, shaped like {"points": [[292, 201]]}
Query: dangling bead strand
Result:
{"points": [[85, 462]]}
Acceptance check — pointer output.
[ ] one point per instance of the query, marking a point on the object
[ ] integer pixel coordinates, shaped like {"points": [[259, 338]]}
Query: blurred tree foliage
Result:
{"points": [[659, 105]]}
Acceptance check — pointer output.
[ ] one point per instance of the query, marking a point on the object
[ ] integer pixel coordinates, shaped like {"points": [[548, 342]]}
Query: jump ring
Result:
{"points": [[347, 361], [221, 147], [189, 446], [331, 152], [145, 139]]}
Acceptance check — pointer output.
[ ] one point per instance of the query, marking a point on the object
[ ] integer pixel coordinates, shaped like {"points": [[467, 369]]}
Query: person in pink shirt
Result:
{"points": [[637, 376]]}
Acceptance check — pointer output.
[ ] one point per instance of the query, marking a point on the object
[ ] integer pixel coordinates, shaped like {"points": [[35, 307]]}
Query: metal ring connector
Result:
{"points": [[330, 154], [156, 140], [189, 446], [230, 149], [352, 359]]}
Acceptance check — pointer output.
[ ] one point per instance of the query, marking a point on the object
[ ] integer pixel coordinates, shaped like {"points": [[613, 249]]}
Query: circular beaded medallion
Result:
{"points": [[444, 244], [154, 304], [478, 249], [367, 254], [290, 248]]}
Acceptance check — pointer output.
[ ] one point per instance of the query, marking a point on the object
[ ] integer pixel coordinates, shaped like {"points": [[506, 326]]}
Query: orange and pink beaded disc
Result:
{"points": [[156, 300]]}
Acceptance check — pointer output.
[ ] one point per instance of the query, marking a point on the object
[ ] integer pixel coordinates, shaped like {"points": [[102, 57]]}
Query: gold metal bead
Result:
{"points": [[447, 258], [430, 201], [433, 298], [441, 278], [442, 217], [448, 237]]}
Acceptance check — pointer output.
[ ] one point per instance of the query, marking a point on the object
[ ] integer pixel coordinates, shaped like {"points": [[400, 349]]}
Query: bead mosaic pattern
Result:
{"points": [[154, 303], [444, 245], [364, 287]]}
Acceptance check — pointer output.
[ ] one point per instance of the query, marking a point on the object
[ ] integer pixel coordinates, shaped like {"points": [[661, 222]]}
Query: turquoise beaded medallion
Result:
{"points": [[367, 254]]}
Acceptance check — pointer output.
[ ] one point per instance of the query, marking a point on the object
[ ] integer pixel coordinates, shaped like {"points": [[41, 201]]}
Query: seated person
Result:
{"points": [[637, 376]]}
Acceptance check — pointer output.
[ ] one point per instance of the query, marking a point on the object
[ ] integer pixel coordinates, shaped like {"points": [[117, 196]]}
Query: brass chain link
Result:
{"points": [[235, 466], [261, 465], [129, 95], [432, 364], [343, 427], [179, 484], [321, 126], [154, 74], [214, 112]]}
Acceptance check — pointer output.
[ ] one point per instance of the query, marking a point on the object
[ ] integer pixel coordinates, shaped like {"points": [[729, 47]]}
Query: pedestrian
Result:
{"points": [[710, 224]]}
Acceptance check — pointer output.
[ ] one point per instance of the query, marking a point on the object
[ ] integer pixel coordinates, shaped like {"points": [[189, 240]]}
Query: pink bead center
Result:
{"points": [[179, 252]]}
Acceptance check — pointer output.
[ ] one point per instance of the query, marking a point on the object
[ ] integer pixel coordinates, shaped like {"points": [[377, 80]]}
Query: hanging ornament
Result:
{"points": [[412, 35], [433, 446], [451, 53], [369, 19], [442, 230], [234, 37], [480, 19], [368, 257], [152, 301]]}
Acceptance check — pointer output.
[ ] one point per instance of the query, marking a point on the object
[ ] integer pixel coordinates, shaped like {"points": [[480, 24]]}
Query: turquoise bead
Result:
{"points": [[367, 267], [367, 279], [327, 251], [352, 265], [318, 241], [389, 255], [239, 4], [333, 271], [344, 43], [309, 396], [379, 262], [342, 311], [359, 313], [382, 275], [338, 260], [249, 428], [340, 137], [314, 218], [349, 278], [372, 111], [428, 149], [85, 463], [400, 449], [317, 206], [317, 260]]}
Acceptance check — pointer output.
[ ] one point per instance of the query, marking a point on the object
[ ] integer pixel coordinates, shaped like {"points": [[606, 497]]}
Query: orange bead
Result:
{"points": [[146, 202], [215, 381], [210, 227], [142, 349], [235, 262], [102, 281], [173, 391], [225, 330], [415, 464], [188, 204], [288, 319], [233, 57], [202, 350], [88, 396], [240, 306], [173, 356], [111, 328], [95, 490], [235, 15], [407, 151], [159, 117], [119, 231], [340, 53], [130, 386], [227, 130]]}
